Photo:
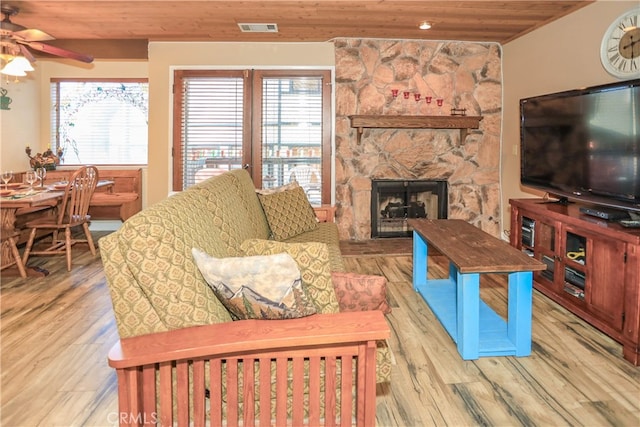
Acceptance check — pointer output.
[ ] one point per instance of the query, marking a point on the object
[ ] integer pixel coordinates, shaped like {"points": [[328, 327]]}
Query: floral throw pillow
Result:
{"points": [[256, 287], [361, 292], [288, 212], [315, 269]]}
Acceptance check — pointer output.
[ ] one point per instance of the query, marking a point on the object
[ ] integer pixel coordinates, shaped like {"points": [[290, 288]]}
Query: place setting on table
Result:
{"points": [[9, 188], [19, 190], [15, 195]]}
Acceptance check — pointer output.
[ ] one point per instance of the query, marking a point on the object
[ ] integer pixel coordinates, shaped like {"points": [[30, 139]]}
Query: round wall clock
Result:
{"points": [[620, 48]]}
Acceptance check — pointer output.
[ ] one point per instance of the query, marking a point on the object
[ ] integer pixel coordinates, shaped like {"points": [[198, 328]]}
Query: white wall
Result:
{"points": [[19, 126], [562, 55]]}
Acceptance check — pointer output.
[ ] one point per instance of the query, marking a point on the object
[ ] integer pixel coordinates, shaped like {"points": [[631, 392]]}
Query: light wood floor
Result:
{"points": [[56, 332]]}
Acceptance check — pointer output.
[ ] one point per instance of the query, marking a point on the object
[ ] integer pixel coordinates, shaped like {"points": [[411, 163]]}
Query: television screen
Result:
{"points": [[584, 143]]}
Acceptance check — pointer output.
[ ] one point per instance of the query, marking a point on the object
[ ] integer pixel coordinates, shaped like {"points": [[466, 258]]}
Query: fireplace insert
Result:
{"points": [[395, 201]]}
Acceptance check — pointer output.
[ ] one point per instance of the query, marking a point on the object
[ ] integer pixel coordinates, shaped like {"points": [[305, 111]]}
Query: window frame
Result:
{"points": [[176, 146], [258, 75], [252, 129], [54, 136]]}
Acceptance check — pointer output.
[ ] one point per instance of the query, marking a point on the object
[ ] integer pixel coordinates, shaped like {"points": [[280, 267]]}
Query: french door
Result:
{"points": [[275, 123]]}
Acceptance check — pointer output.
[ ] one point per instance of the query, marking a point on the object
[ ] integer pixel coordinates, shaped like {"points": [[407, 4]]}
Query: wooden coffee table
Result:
{"points": [[477, 330]]}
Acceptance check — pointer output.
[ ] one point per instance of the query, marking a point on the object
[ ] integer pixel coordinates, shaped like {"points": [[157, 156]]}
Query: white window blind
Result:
{"points": [[292, 133], [211, 126], [100, 122], [267, 121], [292, 112]]}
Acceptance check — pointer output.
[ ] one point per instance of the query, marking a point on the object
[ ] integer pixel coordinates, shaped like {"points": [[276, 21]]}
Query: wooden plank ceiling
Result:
{"points": [[297, 21]]}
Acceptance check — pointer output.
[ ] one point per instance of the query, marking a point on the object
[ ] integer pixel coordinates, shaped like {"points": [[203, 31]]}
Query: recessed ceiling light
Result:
{"points": [[424, 25]]}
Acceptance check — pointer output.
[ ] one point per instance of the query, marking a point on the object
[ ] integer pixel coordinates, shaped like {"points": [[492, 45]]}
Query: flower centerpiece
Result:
{"points": [[47, 159]]}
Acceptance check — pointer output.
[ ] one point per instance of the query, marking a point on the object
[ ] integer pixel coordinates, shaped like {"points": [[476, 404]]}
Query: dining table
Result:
{"points": [[28, 197]]}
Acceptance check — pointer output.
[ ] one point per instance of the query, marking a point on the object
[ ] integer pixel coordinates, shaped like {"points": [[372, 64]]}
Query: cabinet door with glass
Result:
{"points": [[274, 123], [544, 236], [594, 272]]}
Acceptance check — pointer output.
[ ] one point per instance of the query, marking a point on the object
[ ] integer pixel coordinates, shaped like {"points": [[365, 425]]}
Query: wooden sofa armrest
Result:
{"points": [[242, 346]]}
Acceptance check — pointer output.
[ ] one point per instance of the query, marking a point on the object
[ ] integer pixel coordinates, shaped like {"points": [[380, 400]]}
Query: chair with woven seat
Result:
{"points": [[72, 213], [308, 178], [10, 237]]}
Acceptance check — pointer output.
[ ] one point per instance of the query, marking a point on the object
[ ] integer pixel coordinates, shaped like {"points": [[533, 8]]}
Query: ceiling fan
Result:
{"points": [[14, 40]]}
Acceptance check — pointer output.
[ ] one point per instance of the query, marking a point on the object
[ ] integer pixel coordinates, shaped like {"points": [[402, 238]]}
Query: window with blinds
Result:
{"points": [[100, 122], [275, 123], [212, 124], [292, 133]]}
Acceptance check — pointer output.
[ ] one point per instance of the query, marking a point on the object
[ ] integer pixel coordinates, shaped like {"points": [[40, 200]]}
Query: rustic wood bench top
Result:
{"points": [[472, 250]]}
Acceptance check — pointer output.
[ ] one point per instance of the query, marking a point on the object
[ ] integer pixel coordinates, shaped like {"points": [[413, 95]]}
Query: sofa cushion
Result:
{"points": [[156, 248], [326, 232], [360, 292], [256, 287], [216, 215], [288, 212], [313, 261], [234, 209]]}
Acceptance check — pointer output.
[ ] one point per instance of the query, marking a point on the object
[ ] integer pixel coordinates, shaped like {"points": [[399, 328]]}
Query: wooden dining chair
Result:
{"points": [[72, 212], [10, 237]]}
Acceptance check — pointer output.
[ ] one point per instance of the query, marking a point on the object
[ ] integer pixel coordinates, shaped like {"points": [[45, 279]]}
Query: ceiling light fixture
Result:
{"points": [[17, 67], [424, 25]]}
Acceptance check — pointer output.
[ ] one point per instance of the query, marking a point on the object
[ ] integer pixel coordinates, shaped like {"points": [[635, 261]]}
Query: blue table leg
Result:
{"points": [[419, 261], [468, 315], [453, 272], [519, 311]]}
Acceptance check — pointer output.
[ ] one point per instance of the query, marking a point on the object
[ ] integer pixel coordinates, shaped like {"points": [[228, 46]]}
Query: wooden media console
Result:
{"points": [[593, 265]]}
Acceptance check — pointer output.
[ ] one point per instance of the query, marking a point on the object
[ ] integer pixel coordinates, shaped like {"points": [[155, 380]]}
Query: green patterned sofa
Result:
{"points": [[168, 317]]}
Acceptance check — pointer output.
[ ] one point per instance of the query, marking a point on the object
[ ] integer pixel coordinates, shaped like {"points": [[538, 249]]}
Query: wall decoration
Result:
{"points": [[4, 99]]}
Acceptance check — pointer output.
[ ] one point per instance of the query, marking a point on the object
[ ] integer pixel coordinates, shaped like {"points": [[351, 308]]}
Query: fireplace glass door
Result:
{"points": [[395, 201]]}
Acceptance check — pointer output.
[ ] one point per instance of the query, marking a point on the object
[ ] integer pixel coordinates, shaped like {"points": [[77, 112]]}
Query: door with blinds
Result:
{"points": [[276, 124]]}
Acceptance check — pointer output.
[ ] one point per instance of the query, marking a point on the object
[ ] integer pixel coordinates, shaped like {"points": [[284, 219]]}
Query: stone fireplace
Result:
{"points": [[395, 201], [465, 75]]}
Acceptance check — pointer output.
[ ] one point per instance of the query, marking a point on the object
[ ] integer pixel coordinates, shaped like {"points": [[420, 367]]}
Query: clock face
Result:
{"points": [[620, 49]]}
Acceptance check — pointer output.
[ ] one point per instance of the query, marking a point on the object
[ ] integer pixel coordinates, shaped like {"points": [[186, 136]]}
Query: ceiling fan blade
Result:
{"points": [[33, 35], [27, 54], [58, 51]]}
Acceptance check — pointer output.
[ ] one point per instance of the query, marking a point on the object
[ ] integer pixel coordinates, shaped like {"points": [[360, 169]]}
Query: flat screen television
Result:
{"points": [[584, 144]]}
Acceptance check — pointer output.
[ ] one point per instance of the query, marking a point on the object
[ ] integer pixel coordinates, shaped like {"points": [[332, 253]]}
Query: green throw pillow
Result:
{"points": [[288, 212], [256, 287], [315, 269]]}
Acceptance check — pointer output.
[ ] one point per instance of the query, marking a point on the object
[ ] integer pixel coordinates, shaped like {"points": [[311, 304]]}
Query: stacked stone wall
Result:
{"points": [[464, 75]]}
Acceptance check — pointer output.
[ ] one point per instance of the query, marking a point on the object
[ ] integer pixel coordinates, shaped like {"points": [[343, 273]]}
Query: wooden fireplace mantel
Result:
{"points": [[464, 123]]}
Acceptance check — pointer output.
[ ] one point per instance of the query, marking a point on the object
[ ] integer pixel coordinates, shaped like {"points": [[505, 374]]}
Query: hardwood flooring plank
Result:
{"points": [[562, 375], [56, 332]]}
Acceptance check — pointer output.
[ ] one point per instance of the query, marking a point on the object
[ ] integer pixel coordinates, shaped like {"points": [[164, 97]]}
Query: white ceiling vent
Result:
{"points": [[258, 28]]}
